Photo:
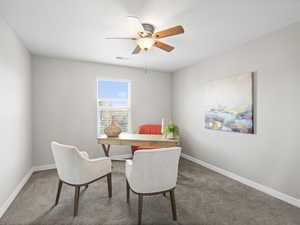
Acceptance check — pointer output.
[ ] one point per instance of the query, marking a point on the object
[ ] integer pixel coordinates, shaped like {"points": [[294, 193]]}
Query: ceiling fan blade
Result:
{"points": [[126, 38], [136, 50], [163, 46], [138, 23], [169, 32]]}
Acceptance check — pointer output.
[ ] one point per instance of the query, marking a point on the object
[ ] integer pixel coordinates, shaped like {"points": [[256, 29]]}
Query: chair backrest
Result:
{"points": [[68, 162], [155, 170], [150, 129]]}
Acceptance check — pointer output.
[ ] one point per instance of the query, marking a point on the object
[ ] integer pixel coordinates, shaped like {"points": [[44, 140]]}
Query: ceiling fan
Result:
{"points": [[147, 38]]}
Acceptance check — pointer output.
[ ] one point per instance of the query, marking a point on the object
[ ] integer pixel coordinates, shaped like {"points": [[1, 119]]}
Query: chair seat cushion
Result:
{"points": [[143, 148], [136, 148]]}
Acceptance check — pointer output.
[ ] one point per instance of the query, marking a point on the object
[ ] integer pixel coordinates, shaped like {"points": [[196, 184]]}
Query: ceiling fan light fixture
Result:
{"points": [[145, 43], [146, 38]]}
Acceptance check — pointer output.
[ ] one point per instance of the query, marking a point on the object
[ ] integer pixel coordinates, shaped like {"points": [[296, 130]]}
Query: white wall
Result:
{"points": [[15, 113], [270, 157], [64, 102]]}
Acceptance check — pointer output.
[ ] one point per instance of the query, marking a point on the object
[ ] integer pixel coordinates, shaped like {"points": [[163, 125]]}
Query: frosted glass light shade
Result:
{"points": [[145, 43]]}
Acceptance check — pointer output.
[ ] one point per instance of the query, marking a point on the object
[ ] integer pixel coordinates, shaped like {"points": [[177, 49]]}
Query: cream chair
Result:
{"points": [[153, 172], [76, 169]]}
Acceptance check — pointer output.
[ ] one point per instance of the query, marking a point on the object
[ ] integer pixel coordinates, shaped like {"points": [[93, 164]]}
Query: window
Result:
{"points": [[113, 103]]}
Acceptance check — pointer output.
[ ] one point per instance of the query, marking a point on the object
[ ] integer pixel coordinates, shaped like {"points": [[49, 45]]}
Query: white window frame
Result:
{"points": [[115, 107]]}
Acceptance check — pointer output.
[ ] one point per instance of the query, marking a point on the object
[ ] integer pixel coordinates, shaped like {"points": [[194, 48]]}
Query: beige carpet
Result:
{"points": [[203, 197]]}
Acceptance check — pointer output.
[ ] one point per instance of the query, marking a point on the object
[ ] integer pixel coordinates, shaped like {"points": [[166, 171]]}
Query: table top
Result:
{"points": [[146, 140]]}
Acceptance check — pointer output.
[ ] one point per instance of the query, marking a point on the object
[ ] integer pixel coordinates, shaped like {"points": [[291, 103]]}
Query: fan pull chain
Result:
{"points": [[146, 63]]}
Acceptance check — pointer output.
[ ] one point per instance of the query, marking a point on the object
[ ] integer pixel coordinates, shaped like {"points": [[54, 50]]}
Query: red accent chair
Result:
{"points": [[147, 129]]}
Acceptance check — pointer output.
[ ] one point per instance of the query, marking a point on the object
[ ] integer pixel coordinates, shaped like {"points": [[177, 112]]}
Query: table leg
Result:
{"points": [[106, 149]]}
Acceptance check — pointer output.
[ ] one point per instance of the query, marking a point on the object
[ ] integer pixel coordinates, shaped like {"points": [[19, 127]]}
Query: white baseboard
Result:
{"points": [[14, 194], [43, 167], [284, 197], [52, 166], [120, 157]]}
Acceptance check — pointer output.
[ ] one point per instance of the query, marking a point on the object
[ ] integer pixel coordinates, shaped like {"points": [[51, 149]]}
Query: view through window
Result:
{"points": [[113, 103]]}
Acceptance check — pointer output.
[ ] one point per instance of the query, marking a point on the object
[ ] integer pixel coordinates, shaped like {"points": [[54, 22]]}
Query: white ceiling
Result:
{"points": [[76, 28]]}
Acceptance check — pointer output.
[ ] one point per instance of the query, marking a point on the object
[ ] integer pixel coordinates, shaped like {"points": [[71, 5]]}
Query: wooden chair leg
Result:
{"points": [[109, 185], [76, 200], [58, 192], [127, 191], [140, 209], [173, 204]]}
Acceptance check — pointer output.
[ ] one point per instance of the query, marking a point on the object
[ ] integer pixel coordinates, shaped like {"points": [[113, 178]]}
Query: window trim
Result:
{"points": [[115, 107]]}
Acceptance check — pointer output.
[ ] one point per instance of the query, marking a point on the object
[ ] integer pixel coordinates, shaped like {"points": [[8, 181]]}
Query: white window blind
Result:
{"points": [[113, 104]]}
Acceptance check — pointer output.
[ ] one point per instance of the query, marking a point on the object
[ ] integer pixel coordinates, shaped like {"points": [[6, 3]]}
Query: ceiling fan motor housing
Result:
{"points": [[149, 28]]}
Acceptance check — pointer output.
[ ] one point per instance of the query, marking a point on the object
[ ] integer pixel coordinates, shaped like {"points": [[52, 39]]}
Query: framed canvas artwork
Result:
{"points": [[230, 105]]}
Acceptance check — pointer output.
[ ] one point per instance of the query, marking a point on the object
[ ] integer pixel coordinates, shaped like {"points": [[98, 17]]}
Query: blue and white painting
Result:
{"points": [[230, 104]]}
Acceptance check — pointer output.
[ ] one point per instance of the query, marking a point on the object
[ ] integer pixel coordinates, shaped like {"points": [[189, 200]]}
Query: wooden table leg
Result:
{"points": [[106, 149]]}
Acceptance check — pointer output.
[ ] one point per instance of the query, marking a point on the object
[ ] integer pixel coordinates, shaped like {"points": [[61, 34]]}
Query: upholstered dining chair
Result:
{"points": [[76, 169], [153, 129], [152, 172]]}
